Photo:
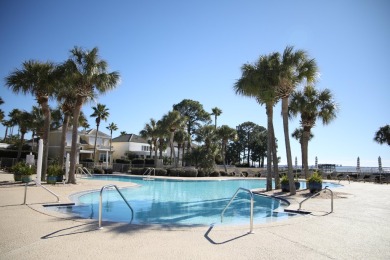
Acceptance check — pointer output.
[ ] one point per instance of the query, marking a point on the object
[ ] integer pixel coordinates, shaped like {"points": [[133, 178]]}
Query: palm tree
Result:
{"points": [[297, 134], [101, 113], [312, 104], [123, 133], [180, 138], [83, 122], [14, 116], [294, 67], [1, 111], [172, 122], [111, 127], [88, 76], [150, 131], [25, 123], [383, 135], [37, 123], [38, 79], [259, 80], [216, 112], [225, 133]]}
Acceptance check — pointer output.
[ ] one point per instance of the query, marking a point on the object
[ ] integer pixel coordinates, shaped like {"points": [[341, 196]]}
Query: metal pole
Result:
{"points": [[25, 194], [100, 208], [39, 161]]}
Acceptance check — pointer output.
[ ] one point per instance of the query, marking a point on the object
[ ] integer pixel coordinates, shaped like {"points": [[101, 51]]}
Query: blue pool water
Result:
{"points": [[177, 202]]}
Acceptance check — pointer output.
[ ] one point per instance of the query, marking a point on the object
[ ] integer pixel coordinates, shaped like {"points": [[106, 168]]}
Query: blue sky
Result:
{"points": [[167, 51]]}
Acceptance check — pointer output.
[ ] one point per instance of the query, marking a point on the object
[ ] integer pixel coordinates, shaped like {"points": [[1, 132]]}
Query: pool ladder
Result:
{"points": [[148, 174], [83, 170], [101, 203], [251, 207]]}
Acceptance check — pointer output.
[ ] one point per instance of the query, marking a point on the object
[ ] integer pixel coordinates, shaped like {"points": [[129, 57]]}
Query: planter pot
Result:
{"points": [[17, 177], [51, 179], [26, 178], [314, 186], [286, 186], [59, 178]]}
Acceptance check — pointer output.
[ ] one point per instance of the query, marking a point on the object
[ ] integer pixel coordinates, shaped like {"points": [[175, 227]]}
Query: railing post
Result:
{"points": [[25, 194]]}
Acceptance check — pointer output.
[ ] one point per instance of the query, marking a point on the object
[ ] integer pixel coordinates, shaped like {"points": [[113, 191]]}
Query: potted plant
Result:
{"points": [[16, 170], [285, 184], [54, 173], [314, 183], [26, 172]]}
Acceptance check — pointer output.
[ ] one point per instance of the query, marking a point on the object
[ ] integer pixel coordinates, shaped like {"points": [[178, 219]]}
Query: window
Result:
{"points": [[145, 148]]}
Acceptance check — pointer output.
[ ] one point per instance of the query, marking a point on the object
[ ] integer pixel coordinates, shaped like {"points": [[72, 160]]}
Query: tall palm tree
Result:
{"points": [[38, 79], [25, 123], [83, 122], [259, 80], [225, 133], [294, 67], [172, 122], [180, 138], [312, 104], [151, 132], [14, 116], [88, 76], [101, 113], [1, 111], [297, 134], [123, 133], [111, 127], [382, 136], [216, 112]]}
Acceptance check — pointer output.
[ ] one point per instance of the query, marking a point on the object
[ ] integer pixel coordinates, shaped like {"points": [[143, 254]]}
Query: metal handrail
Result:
{"points": [[149, 170], [101, 203], [316, 194], [148, 173], [83, 170], [40, 185], [251, 209]]}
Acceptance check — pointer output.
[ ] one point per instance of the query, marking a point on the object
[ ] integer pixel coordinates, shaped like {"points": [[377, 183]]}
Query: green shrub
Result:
{"points": [[284, 179], [202, 173], [188, 172], [98, 171], [108, 171], [55, 170], [214, 174], [161, 172], [123, 161], [315, 178]]}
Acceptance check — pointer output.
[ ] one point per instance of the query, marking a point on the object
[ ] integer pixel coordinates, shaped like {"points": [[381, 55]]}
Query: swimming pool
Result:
{"points": [[179, 202]]}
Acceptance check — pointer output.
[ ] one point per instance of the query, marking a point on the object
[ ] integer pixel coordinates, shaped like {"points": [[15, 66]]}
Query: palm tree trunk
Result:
{"points": [[47, 114], [275, 159], [73, 149], [305, 144], [224, 155], [288, 148], [20, 146], [63, 139], [173, 156], [269, 110], [110, 148], [94, 147]]}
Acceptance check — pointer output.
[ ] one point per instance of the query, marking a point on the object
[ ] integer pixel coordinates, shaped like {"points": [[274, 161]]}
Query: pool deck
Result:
{"points": [[359, 228]]}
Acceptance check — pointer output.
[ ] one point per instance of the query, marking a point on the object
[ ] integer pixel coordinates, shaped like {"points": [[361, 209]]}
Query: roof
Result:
{"points": [[130, 138]]}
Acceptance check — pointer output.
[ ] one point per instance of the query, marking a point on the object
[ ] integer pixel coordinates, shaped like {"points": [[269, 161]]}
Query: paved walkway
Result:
{"points": [[359, 228]]}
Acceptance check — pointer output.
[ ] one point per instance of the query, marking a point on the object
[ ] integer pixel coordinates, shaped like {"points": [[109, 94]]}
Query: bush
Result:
{"points": [[315, 178], [149, 162], [98, 171], [108, 171], [214, 174], [202, 173], [55, 170], [161, 172], [284, 179], [123, 161]]}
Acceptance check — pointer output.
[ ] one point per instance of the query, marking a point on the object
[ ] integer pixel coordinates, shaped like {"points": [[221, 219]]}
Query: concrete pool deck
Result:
{"points": [[359, 228]]}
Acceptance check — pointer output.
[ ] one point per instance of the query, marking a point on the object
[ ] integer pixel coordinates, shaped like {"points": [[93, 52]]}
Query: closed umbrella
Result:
{"points": [[380, 164], [316, 163], [358, 165]]}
